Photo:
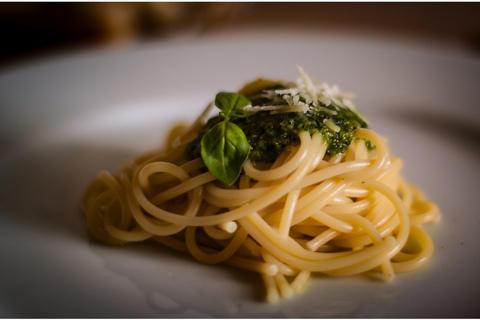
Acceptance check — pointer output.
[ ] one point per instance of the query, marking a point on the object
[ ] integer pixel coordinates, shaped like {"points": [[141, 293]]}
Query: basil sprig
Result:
{"points": [[225, 148]]}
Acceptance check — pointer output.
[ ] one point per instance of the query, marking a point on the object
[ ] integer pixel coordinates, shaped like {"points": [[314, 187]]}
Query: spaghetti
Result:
{"points": [[308, 212]]}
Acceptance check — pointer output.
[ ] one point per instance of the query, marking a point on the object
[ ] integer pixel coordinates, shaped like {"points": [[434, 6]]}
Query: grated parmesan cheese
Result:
{"points": [[303, 95], [331, 125]]}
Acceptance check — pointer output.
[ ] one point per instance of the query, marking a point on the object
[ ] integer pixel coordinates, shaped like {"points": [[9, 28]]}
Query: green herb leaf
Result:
{"points": [[231, 104], [224, 150]]}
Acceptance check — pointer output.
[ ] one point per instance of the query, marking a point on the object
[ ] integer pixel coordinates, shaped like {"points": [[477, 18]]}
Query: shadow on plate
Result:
{"points": [[460, 131], [41, 187], [175, 285]]}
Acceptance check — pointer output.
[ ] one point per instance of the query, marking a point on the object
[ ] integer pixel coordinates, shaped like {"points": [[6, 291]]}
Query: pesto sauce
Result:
{"points": [[268, 134]]}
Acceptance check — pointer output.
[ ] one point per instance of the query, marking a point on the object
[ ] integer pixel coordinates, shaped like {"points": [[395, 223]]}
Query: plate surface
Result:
{"points": [[65, 119]]}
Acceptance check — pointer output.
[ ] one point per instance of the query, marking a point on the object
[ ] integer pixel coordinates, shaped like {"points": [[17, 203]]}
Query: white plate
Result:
{"points": [[64, 120]]}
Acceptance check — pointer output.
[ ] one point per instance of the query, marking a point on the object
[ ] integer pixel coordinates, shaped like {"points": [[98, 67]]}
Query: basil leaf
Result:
{"points": [[231, 103], [224, 149]]}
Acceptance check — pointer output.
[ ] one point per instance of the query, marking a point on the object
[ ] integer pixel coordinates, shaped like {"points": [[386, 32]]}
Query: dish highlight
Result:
{"points": [[286, 181]]}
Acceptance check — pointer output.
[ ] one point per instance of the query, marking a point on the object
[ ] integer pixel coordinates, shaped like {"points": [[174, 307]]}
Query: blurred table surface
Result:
{"points": [[32, 30]]}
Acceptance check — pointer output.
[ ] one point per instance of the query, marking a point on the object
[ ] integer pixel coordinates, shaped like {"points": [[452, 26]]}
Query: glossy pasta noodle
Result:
{"points": [[308, 212]]}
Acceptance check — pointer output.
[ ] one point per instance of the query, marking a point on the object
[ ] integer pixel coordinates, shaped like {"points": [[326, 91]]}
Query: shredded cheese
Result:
{"points": [[331, 125], [303, 95]]}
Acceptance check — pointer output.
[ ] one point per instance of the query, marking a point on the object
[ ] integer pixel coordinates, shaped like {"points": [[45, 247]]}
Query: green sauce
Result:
{"points": [[270, 133]]}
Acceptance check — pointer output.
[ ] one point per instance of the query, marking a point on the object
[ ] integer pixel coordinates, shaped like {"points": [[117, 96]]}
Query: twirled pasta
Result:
{"points": [[309, 212]]}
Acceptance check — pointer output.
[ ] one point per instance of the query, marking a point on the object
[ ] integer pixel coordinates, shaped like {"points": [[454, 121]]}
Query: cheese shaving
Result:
{"points": [[303, 95], [331, 125]]}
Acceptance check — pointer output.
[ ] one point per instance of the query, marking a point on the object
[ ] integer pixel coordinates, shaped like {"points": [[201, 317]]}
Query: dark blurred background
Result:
{"points": [[36, 29]]}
